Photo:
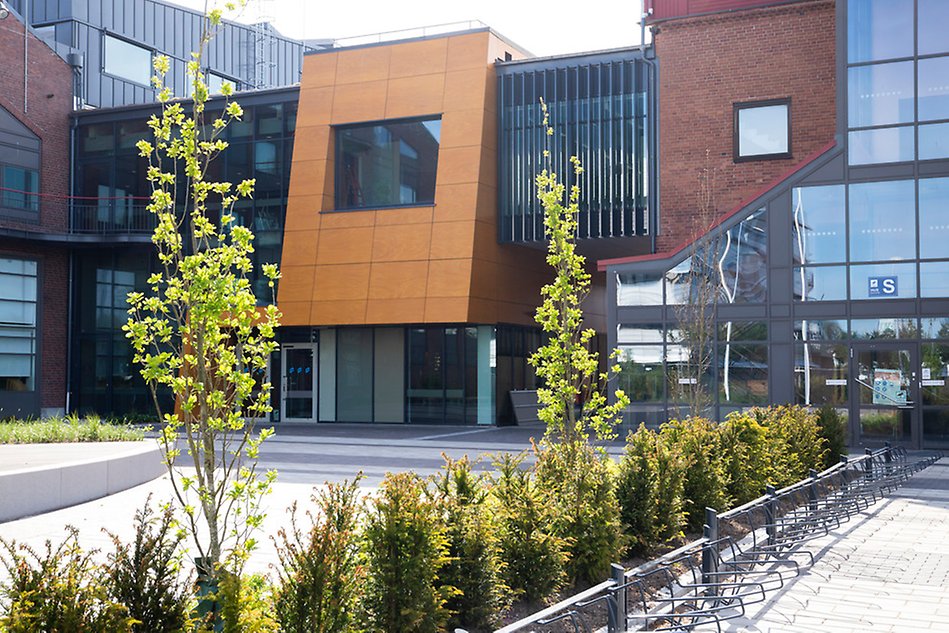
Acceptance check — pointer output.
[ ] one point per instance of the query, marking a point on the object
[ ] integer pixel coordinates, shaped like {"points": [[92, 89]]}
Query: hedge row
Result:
{"points": [[429, 555]]}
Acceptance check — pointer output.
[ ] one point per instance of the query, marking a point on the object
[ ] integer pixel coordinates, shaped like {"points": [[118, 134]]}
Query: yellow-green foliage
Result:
{"points": [[246, 604], [405, 550], [698, 443], [475, 566], [747, 456], [578, 481], [533, 555], [795, 442], [320, 572], [649, 491]]}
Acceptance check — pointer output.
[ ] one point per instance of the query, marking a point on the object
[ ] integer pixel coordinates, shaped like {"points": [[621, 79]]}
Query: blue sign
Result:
{"points": [[883, 286]]}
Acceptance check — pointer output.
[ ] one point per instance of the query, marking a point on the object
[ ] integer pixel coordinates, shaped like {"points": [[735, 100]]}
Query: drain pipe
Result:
{"points": [[26, 54], [653, 127], [70, 280]]}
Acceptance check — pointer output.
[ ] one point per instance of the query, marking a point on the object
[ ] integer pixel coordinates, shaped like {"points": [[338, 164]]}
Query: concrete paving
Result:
{"points": [[886, 570]]}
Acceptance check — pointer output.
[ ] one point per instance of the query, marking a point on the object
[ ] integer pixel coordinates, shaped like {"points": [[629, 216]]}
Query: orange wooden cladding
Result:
{"points": [[430, 264]]}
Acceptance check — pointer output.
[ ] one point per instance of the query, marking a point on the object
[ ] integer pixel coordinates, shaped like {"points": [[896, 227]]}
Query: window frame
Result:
{"points": [[104, 59], [737, 107], [338, 175], [29, 212]]}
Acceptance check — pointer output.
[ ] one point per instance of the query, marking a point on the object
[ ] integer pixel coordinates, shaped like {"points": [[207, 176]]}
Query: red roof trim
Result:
{"points": [[603, 264]]}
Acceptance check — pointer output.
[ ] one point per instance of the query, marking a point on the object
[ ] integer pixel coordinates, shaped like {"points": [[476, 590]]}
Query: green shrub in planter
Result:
{"points": [[697, 442], [796, 444], [246, 604], [474, 566], [533, 556], [405, 550], [746, 456], [649, 491], [145, 575], [579, 482], [833, 429], [59, 589], [320, 572]]}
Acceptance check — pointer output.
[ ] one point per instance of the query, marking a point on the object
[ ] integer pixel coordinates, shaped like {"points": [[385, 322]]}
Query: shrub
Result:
{"points": [[833, 429], [320, 572], [60, 589], [66, 429], [144, 576], [246, 604], [533, 556], [698, 443], [474, 566], [796, 444], [649, 491], [746, 456], [578, 480], [405, 550]]}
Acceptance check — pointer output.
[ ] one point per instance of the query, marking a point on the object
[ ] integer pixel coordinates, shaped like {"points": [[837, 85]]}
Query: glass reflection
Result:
{"points": [[636, 289], [887, 145], [642, 333], [933, 217], [823, 330], [820, 374], [934, 279], [883, 329], [879, 29], [820, 225], [933, 88], [880, 94], [641, 373], [883, 281], [743, 373], [882, 221], [820, 283], [934, 377], [936, 328], [933, 141], [933, 18]]}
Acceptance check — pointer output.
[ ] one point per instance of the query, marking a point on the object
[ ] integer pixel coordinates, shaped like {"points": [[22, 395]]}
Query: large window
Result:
{"points": [[126, 60], [387, 164], [896, 80], [19, 168], [762, 130], [20, 187], [17, 324]]}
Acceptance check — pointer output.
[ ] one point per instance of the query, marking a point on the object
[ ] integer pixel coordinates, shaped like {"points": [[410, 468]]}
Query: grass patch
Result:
{"points": [[67, 429]]}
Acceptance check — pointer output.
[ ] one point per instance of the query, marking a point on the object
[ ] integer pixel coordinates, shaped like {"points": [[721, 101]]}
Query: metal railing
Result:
{"points": [[744, 553], [404, 34], [112, 216]]}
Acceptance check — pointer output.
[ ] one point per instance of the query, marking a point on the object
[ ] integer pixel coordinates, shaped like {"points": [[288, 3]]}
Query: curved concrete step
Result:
{"points": [[37, 478]]}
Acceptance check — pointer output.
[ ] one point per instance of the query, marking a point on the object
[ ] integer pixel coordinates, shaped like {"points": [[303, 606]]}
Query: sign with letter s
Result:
{"points": [[883, 286]]}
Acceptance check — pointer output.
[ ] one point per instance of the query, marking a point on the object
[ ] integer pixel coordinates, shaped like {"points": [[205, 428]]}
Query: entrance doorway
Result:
{"points": [[298, 382], [883, 402]]}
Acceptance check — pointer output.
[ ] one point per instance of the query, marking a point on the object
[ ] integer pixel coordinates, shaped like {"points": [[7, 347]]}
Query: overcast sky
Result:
{"points": [[543, 28]]}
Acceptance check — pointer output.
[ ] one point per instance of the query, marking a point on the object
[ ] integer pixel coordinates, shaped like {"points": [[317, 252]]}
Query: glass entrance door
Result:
{"points": [[299, 382], [884, 383]]}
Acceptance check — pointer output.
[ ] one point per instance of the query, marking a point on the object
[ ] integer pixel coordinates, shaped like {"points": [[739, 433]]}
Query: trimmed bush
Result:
{"points": [[145, 576], [580, 485], [60, 589], [533, 556], [474, 566], [746, 457], [698, 443], [833, 429], [320, 572], [405, 550], [794, 437], [649, 491]]}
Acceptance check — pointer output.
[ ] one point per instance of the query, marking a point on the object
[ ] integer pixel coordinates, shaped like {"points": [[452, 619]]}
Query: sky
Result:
{"points": [[554, 27]]}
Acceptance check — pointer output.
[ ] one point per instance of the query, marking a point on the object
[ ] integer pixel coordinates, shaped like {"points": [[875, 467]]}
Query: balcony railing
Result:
{"points": [[111, 217]]}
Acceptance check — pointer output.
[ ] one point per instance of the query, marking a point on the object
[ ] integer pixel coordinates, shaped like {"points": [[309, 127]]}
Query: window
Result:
{"points": [[762, 130], [127, 61], [387, 164], [882, 222], [17, 324], [20, 189]]}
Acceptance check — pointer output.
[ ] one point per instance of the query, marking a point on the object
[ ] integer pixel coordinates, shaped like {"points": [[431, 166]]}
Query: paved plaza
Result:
{"points": [[885, 570]]}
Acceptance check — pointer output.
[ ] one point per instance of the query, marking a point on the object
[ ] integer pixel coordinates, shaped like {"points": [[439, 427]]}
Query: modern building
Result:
{"points": [[776, 169], [819, 150]]}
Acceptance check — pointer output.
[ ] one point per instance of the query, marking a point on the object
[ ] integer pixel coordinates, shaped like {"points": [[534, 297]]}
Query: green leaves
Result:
{"points": [[573, 397]]}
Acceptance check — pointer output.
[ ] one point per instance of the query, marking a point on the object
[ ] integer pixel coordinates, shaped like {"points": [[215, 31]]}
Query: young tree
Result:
{"points": [[573, 397], [198, 331]]}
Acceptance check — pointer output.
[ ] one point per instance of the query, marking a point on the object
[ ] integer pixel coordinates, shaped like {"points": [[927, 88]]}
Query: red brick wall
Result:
{"points": [[48, 105], [706, 64]]}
